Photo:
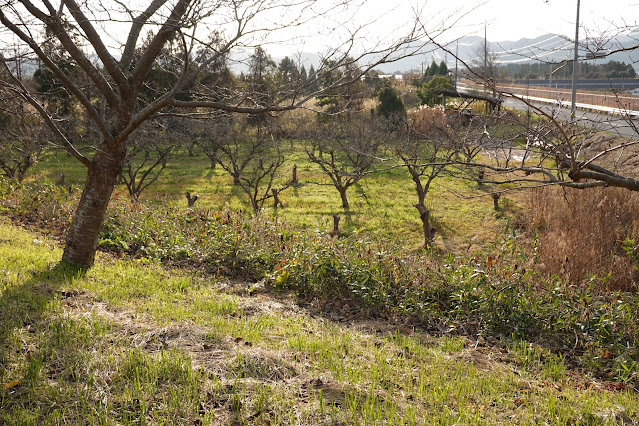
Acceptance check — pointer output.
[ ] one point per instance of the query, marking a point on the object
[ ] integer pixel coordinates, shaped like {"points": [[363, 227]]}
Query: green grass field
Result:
{"points": [[133, 343], [381, 205]]}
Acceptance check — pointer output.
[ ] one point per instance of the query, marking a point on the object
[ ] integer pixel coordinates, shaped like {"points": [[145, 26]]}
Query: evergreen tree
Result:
{"points": [[432, 69], [288, 71], [390, 105], [442, 69], [429, 92], [260, 81]]}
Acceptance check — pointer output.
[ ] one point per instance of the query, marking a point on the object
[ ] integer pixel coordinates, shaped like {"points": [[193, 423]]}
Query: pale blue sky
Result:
{"points": [[385, 20], [515, 19], [505, 19]]}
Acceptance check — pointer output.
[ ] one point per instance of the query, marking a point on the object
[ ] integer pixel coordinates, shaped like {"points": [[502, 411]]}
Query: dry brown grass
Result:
{"points": [[427, 120], [580, 234]]}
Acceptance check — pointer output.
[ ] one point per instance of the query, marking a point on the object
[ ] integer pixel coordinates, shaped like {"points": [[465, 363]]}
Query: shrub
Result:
{"points": [[429, 91], [390, 104], [352, 268], [225, 242], [42, 204], [428, 121]]}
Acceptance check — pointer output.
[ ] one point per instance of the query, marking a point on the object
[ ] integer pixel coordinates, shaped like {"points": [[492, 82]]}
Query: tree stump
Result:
{"points": [[335, 232], [191, 200], [276, 199], [496, 196]]}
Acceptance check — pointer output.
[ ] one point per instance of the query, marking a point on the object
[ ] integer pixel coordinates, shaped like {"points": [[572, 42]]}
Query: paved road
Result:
{"points": [[601, 83], [609, 123]]}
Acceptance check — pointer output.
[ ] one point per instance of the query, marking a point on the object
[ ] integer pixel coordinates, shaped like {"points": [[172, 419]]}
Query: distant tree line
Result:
{"points": [[587, 70]]}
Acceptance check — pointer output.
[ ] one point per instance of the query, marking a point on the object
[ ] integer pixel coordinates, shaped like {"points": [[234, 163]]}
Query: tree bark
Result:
{"points": [[191, 200], [496, 196], [335, 232], [255, 205], [82, 237], [429, 232], [342, 194], [276, 199]]}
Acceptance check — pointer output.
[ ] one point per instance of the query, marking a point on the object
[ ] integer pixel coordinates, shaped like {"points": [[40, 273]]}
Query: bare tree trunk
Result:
{"points": [[212, 155], [276, 199], [191, 200], [342, 194], [429, 232], [496, 196], [335, 232], [255, 205], [82, 238]]}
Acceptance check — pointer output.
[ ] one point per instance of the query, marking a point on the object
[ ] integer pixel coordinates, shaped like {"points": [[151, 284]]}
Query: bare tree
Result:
{"points": [[427, 148], [345, 150], [80, 29], [150, 147], [554, 149], [253, 157], [22, 137], [258, 181], [212, 131], [339, 98]]}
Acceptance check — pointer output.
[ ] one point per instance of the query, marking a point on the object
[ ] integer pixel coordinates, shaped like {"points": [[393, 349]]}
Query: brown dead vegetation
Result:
{"points": [[580, 234]]}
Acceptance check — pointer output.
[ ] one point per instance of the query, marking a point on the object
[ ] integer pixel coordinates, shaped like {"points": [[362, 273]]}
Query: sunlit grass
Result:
{"points": [[130, 342], [381, 205]]}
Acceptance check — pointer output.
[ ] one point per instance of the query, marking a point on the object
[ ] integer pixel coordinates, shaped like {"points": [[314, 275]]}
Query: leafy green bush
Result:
{"points": [[498, 294], [428, 93], [346, 268], [390, 105]]}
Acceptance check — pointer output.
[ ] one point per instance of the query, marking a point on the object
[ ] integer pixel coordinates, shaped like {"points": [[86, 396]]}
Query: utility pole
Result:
{"points": [[575, 66], [486, 76], [456, 56]]}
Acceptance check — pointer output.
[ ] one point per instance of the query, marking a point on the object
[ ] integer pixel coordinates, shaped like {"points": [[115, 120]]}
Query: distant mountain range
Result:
{"points": [[545, 48]]}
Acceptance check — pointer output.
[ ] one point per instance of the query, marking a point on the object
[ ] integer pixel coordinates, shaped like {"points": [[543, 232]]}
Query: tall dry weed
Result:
{"points": [[580, 234], [428, 120]]}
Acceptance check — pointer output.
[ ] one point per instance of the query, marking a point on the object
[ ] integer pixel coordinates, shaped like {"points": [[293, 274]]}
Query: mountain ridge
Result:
{"points": [[544, 48]]}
